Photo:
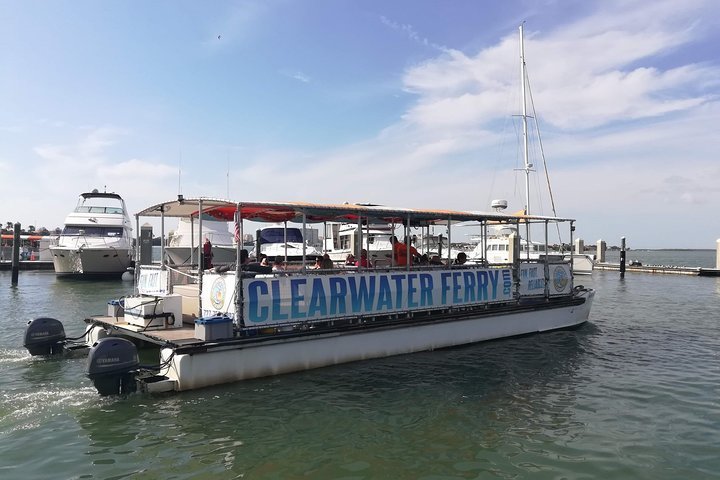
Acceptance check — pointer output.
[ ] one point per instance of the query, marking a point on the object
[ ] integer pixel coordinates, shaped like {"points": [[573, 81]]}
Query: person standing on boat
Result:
{"points": [[207, 254], [400, 252]]}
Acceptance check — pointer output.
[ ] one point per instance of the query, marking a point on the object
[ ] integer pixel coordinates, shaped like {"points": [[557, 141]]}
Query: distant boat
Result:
{"points": [[279, 240], [341, 240], [97, 238], [182, 243]]}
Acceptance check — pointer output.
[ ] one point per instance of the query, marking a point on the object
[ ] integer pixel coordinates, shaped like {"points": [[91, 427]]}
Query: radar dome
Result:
{"points": [[499, 204]]}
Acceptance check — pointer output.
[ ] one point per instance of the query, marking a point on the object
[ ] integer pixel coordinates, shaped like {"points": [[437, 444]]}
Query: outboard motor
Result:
{"points": [[112, 365], [44, 336]]}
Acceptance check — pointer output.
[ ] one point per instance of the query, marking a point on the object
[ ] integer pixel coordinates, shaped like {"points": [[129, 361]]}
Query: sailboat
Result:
{"points": [[496, 249]]}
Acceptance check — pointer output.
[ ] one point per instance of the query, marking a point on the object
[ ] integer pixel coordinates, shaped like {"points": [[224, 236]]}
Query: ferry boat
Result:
{"points": [[97, 238], [229, 324]]}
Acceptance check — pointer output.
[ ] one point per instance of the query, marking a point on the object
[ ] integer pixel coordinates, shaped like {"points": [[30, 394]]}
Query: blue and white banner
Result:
{"points": [[268, 301], [532, 279]]}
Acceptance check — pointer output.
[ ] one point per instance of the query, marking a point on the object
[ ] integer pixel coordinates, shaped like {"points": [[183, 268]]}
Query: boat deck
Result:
{"points": [[172, 337]]}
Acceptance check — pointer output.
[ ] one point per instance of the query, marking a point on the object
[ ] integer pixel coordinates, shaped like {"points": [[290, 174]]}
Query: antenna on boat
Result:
{"points": [[523, 84], [180, 174], [227, 175]]}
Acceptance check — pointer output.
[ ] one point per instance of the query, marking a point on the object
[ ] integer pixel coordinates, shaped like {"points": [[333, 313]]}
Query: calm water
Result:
{"points": [[633, 394]]}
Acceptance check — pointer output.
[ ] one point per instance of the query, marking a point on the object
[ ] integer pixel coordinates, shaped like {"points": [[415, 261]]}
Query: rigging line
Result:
{"points": [[542, 153], [510, 100]]}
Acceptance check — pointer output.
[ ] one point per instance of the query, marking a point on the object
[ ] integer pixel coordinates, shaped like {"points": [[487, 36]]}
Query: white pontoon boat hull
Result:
{"points": [[278, 356]]}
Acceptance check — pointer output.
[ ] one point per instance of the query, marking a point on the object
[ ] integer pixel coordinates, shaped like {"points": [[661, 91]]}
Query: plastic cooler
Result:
{"points": [[213, 328]]}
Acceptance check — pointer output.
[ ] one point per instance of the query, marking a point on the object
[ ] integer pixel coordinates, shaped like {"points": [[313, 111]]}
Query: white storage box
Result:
{"points": [[154, 312]]}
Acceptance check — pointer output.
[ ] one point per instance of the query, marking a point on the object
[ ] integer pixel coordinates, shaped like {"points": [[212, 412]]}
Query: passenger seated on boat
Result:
{"points": [[435, 260], [247, 265], [424, 259], [461, 259], [350, 259], [363, 262], [400, 252], [327, 262], [278, 265], [318, 263]]}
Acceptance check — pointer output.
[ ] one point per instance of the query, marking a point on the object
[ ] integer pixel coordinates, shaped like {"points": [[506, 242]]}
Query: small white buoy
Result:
{"points": [[127, 277]]}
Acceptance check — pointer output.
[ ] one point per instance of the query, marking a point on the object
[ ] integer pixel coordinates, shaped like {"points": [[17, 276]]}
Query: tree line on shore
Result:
{"points": [[9, 227]]}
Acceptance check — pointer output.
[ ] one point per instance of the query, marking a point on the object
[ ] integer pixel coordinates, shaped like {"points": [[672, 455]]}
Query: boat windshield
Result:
{"points": [[92, 231], [89, 209], [277, 235]]}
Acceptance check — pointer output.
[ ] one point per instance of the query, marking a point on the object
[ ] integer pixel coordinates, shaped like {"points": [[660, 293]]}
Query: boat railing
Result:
{"points": [[330, 295]]}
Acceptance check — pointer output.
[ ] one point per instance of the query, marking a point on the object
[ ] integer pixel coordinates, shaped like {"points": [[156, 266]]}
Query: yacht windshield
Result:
{"points": [[277, 235], [92, 231]]}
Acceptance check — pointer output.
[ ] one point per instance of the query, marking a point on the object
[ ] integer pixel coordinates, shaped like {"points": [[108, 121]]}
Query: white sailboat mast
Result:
{"points": [[528, 165]]}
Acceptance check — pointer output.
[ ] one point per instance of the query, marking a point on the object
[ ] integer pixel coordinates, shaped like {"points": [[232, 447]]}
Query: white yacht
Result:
{"points": [[97, 238], [279, 240], [341, 239], [499, 246], [182, 243]]}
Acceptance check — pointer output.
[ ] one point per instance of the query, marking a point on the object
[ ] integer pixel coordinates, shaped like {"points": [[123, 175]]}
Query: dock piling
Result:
{"points": [[717, 254], [601, 248], [579, 246], [622, 257], [15, 254]]}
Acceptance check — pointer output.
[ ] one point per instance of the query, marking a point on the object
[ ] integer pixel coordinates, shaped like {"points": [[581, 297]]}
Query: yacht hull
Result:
{"points": [[90, 261]]}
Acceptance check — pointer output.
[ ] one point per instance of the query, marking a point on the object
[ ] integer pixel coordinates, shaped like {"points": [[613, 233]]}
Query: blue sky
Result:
{"points": [[402, 103]]}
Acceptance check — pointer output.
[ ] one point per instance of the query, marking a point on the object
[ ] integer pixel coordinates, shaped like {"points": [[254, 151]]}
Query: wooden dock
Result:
{"points": [[6, 265], [661, 269]]}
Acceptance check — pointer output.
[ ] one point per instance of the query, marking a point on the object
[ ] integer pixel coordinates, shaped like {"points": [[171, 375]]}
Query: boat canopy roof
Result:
{"points": [[317, 213], [96, 194]]}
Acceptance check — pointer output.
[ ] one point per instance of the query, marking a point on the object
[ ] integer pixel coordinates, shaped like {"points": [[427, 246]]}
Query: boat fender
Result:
{"points": [[169, 320], [44, 336], [112, 366]]}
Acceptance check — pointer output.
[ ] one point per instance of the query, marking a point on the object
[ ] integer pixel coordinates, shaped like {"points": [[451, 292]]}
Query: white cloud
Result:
{"points": [[411, 33]]}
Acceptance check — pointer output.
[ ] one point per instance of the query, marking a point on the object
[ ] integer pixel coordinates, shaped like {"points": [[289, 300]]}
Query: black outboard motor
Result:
{"points": [[112, 365], [44, 336]]}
